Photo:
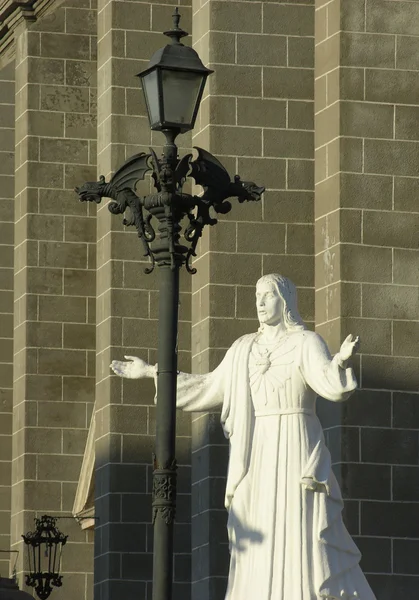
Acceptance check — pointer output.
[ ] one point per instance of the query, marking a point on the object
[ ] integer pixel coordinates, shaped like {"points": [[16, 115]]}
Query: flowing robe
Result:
{"points": [[287, 537]]}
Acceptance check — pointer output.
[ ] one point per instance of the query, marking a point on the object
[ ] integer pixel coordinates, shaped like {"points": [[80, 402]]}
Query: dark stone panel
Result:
{"points": [[367, 407], [360, 481], [376, 554], [350, 516], [137, 566], [182, 571], [181, 591], [391, 446], [343, 443], [108, 508], [208, 493], [406, 557], [121, 537], [406, 483], [126, 478], [390, 519], [406, 410], [136, 508], [392, 587], [210, 460], [123, 589]]}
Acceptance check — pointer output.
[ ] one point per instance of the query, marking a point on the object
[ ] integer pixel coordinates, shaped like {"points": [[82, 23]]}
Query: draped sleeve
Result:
{"points": [[322, 373], [202, 393]]}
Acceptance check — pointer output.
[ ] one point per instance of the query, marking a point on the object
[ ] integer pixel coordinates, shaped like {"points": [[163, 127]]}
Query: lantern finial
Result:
{"points": [[176, 33]]}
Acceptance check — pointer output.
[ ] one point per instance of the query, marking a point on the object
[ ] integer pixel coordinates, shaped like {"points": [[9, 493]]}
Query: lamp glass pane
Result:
{"points": [[180, 94], [151, 93]]}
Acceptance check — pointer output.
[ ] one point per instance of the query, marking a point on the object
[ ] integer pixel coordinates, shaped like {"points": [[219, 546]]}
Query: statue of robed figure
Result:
{"points": [[287, 538]]}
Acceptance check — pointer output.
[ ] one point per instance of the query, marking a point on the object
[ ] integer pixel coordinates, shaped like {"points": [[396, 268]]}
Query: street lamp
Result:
{"points": [[173, 85], [44, 547]]}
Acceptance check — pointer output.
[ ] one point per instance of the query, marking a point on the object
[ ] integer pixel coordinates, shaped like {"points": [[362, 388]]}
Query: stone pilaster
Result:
{"points": [[54, 278], [127, 317], [257, 117], [7, 124], [367, 224]]}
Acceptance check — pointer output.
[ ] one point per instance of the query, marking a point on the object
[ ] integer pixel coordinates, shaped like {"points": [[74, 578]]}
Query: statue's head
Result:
{"points": [[276, 302]]}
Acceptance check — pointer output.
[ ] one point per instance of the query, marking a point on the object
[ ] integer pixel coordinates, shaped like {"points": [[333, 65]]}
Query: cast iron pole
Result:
{"points": [[164, 474]]}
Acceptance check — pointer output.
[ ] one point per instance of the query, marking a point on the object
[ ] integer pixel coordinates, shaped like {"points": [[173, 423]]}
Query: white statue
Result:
{"points": [[287, 537]]}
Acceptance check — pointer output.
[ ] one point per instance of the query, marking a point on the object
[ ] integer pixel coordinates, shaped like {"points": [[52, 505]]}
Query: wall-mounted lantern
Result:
{"points": [[44, 546]]}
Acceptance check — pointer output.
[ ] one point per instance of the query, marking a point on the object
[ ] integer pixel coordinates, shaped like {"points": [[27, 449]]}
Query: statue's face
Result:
{"points": [[268, 304]]}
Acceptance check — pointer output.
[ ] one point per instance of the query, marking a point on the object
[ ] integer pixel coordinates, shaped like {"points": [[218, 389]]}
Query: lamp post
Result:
{"points": [[173, 85]]}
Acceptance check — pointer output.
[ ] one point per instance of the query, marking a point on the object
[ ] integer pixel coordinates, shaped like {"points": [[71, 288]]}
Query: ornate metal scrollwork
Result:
{"points": [[164, 491], [170, 204]]}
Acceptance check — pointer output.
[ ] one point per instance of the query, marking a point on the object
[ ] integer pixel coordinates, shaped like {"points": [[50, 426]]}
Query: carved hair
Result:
{"points": [[287, 292]]}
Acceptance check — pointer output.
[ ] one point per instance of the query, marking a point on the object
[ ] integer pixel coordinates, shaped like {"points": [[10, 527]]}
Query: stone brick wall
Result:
{"points": [[7, 124], [257, 117], [367, 274], [54, 282], [127, 301]]}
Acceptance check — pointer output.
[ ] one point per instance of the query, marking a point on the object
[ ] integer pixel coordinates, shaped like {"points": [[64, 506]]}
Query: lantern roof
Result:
{"points": [[176, 55]]}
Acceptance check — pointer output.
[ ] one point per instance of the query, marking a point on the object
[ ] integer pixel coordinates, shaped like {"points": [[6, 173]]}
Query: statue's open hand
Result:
{"points": [[135, 368], [349, 347]]}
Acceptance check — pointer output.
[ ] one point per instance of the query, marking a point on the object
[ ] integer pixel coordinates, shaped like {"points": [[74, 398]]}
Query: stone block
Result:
{"points": [[139, 333], [78, 389], [351, 83], [281, 82], [241, 141], [48, 335], [79, 282], [40, 495], [123, 16], [406, 267], [366, 263], [261, 238], [300, 269], [265, 171], [300, 52], [392, 17], [301, 115], [391, 229], [44, 227], [405, 194], [7, 140], [64, 99], [404, 412], [366, 191], [398, 87], [59, 468], [390, 301], [43, 387], [77, 174], [80, 21], [359, 119], [366, 482], [56, 45], [231, 268], [389, 446], [350, 226], [80, 229], [218, 110], [62, 254], [375, 334], [80, 126], [229, 16], [288, 19], [290, 144], [40, 440], [300, 174], [59, 203], [368, 50], [53, 22], [300, 239], [351, 155], [407, 52], [65, 151], [328, 267], [46, 70], [385, 156], [66, 362], [390, 373], [288, 207], [263, 50], [406, 118], [61, 308], [81, 336], [261, 113], [352, 16], [227, 79], [80, 73], [327, 55], [406, 335]]}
